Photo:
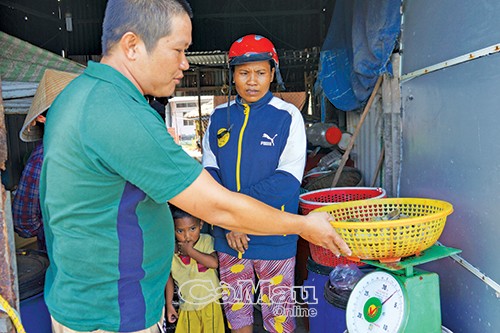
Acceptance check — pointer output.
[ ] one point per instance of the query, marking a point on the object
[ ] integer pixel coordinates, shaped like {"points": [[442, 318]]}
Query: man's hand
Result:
{"points": [[237, 241], [319, 231]]}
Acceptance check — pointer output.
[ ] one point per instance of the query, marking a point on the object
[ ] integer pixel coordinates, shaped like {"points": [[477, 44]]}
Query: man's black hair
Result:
{"points": [[178, 213]]}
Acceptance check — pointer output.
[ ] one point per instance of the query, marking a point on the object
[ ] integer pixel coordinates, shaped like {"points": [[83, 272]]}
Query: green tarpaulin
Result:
{"points": [[22, 61]]}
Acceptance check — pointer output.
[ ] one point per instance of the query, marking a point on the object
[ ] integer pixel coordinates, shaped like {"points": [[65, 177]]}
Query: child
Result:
{"points": [[194, 272]]}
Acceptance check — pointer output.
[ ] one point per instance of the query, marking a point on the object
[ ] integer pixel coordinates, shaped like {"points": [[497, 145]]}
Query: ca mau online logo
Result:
{"points": [[284, 299]]}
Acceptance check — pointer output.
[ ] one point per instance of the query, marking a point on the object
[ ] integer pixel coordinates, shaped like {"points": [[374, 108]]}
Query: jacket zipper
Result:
{"points": [[246, 111]]}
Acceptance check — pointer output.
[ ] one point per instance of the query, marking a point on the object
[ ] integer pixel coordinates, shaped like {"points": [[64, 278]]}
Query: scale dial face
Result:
{"points": [[377, 304]]}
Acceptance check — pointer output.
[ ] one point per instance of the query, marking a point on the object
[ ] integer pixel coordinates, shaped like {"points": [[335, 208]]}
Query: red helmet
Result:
{"points": [[252, 48]]}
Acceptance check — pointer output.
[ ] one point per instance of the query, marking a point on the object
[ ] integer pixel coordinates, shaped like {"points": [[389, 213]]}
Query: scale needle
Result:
{"points": [[388, 298]]}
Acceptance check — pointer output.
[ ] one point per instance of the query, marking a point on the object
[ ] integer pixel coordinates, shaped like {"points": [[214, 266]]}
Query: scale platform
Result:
{"points": [[405, 265]]}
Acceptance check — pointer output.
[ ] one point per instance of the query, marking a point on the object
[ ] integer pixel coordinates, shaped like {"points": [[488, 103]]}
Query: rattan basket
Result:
{"points": [[389, 241]]}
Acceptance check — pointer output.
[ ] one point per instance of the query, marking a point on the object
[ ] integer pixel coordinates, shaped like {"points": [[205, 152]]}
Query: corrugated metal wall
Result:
{"points": [[43, 23], [19, 151], [290, 24], [451, 145], [17, 98], [37, 22], [87, 15], [379, 139], [294, 26], [369, 142]]}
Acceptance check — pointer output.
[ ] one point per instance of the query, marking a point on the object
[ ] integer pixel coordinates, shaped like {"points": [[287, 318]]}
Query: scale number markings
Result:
{"points": [[376, 304]]}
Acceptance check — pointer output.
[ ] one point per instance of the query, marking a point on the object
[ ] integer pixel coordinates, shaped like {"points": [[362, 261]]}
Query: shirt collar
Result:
{"points": [[109, 74], [263, 101]]}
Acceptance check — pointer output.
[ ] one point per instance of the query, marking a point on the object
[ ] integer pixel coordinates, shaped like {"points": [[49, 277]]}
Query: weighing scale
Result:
{"points": [[398, 298]]}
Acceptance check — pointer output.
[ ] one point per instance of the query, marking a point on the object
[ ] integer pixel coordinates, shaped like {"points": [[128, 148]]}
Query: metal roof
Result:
{"points": [[208, 58], [18, 96], [287, 57]]}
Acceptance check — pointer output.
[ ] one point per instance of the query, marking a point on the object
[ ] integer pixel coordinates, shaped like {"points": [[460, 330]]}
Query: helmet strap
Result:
{"points": [[229, 125], [279, 79]]}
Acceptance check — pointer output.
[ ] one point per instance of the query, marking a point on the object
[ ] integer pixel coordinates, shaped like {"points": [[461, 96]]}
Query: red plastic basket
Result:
{"points": [[328, 196]]}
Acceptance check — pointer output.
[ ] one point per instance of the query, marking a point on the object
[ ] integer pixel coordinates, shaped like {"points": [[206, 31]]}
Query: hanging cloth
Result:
{"points": [[357, 49]]}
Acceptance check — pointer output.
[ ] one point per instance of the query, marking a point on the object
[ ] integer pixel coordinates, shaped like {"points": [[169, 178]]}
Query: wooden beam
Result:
{"points": [[8, 271]]}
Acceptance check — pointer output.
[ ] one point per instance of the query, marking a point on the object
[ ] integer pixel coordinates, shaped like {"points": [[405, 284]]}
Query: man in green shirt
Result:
{"points": [[110, 168]]}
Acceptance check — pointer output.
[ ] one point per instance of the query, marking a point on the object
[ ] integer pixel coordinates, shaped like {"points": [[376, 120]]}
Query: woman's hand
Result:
{"points": [[238, 241]]}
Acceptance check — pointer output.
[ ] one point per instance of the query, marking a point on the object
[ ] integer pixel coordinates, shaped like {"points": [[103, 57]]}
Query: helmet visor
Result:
{"points": [[250, 57]]}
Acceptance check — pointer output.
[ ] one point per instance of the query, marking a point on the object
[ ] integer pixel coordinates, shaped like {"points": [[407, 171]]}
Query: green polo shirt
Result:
{"points": [[109, 168]]}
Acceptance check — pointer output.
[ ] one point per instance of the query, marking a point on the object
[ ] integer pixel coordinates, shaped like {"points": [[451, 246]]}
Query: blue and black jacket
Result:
{"points": [[263, 156]]}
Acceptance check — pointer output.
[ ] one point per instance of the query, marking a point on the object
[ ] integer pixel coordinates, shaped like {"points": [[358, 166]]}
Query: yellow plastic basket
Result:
{"points": [[391, 240]]}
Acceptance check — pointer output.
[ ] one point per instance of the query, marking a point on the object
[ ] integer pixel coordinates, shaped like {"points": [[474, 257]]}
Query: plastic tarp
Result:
{"points": [[24, 62], [357, 49]]}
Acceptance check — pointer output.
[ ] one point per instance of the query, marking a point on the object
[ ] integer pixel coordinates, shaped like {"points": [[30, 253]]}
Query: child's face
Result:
{"points": [[187, 229]]}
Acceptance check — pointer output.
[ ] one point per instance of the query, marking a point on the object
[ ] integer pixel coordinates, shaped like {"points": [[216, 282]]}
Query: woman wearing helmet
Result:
{"points": [[256, 145]]}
